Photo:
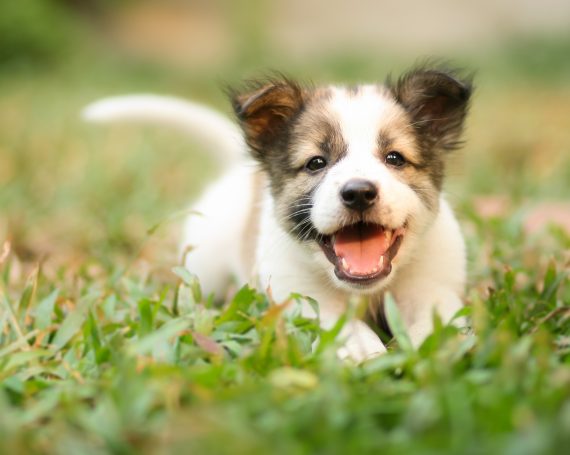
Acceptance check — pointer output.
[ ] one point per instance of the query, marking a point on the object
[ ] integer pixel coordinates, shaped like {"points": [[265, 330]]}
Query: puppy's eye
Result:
{"points": [[395, 159], [316, 164]]}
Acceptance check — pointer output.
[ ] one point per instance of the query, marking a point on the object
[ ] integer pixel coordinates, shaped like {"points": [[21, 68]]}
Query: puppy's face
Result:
{"points": [[356, 172]]}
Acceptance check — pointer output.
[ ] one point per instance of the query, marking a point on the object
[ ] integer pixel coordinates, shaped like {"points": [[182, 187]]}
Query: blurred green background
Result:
{"points": [[70, 190]]}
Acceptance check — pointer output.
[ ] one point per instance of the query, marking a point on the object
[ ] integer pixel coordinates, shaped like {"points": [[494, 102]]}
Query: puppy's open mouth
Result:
{"points": [[362, 253]]}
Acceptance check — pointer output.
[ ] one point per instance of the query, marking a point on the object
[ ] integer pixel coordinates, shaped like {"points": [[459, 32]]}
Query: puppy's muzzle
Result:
{"points": [[359, 194]]}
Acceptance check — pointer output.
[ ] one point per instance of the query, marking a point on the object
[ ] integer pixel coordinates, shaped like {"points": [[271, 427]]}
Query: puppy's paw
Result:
{"points": [[361, 344], [355, 353]]}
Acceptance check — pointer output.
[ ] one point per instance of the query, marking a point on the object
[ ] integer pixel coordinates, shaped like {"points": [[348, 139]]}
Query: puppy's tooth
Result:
{"points": [[344, 264], [389, 236], [381, 262]]}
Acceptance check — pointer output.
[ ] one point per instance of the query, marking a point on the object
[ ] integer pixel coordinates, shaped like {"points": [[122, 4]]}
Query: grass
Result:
{"points": [[103, 361], [106, 346]]}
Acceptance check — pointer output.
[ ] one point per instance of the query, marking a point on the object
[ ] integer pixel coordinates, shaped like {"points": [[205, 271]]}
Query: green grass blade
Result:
{"points": [[396, 324]]}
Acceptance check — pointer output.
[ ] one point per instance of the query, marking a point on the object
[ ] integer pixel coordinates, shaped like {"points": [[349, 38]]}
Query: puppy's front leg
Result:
{"points": [[360, 343], [435, 280], [417, 309]]}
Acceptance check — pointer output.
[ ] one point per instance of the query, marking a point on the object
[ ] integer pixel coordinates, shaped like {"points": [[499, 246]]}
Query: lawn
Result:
{"points": [[108, 346]]}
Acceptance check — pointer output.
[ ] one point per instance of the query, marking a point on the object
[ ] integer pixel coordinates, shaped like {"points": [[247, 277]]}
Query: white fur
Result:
{"points": [[214, 232], [428, 273], [215, 130]]}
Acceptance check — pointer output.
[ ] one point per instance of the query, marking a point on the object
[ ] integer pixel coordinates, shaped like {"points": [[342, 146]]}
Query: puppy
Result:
{"points": [[341, 196]]}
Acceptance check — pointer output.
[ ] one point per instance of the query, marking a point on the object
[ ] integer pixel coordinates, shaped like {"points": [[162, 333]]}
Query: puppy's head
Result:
{"points": [[356, 172]]}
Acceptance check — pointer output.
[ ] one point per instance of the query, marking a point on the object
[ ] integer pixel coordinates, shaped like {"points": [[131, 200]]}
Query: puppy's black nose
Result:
{"points": [[359, 194]]}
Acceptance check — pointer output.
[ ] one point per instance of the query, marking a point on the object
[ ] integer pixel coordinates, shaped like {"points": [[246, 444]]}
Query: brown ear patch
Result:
{"points": [[437, 101], [265, 109]]}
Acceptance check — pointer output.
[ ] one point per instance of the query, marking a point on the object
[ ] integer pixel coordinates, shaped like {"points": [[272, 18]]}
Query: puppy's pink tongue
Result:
{"points": [[361, 248]]}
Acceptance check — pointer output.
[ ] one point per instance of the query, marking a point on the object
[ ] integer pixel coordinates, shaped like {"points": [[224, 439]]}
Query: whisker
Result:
{"points": [[299, 212], [303, 235], [301, 225]]}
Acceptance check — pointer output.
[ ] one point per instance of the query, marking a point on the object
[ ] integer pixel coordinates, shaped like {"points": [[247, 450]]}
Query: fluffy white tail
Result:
{"points": [[211, 128]]}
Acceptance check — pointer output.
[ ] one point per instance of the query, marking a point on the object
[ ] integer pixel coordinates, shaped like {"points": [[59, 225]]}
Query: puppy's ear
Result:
{"points": [[437, 101], [265, 110]]}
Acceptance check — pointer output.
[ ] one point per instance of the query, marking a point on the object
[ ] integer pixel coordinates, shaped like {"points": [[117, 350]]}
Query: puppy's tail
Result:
{"points": [[209, 127]]}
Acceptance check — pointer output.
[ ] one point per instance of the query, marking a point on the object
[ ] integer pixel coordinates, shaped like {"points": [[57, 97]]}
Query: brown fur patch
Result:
{"points": [[265, 108], [437, 101], [316, 134]]}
